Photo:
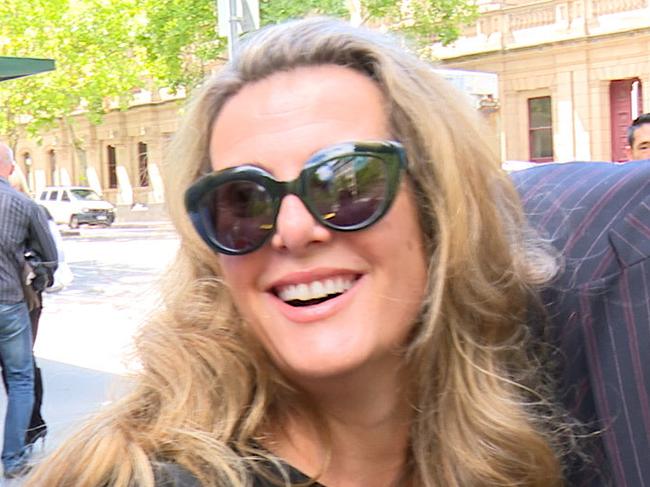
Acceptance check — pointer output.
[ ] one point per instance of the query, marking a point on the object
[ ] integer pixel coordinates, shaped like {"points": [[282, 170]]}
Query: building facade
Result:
{"points": [[572, 74], [120, 158]]}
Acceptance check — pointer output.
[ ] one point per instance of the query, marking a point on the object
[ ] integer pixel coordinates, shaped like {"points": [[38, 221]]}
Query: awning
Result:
{"points": [[16, 67]]}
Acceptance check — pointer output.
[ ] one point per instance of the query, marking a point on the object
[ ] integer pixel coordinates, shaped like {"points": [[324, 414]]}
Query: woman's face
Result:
{"points": [[277, 123]]}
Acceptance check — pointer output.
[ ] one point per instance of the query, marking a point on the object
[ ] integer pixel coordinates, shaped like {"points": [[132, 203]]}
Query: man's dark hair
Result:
{"points": [[638, 121]]}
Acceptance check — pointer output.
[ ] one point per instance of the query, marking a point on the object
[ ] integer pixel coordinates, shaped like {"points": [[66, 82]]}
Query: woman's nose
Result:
{"points": [[296, 230]]}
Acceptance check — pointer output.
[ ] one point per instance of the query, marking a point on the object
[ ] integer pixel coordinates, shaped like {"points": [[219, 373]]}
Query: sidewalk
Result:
{"points": [[139, 216], [153, 216], [72, 395], [143, 224]]}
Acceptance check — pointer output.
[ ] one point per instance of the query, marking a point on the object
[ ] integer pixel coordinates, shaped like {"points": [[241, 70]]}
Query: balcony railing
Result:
{"points": [[514, 23], [604, 7]]}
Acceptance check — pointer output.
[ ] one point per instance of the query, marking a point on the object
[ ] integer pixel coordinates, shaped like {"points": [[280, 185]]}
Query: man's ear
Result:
{"points": [[628, 152], [11, 169]]}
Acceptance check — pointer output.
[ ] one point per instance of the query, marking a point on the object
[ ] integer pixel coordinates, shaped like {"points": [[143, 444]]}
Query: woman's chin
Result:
{"points": [[320, 368]]}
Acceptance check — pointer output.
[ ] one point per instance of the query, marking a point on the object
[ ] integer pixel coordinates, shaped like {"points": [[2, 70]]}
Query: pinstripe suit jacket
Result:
{"points": [[598, 216], [22, 225]]}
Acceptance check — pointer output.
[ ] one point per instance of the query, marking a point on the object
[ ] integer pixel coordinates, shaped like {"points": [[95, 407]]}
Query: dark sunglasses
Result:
{"points": [[346, 187]]}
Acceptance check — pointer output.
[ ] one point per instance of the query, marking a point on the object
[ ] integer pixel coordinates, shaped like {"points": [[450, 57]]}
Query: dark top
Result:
{"points": [[172, 475]]}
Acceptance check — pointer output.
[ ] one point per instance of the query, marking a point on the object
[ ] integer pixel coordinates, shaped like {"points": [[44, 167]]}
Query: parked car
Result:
{"points": [[76, 205]]}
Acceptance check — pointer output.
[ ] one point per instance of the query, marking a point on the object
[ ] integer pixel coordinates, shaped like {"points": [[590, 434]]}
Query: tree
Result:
{"points": [[274, 11], [181, 40], [97, 59], [427, 21]]}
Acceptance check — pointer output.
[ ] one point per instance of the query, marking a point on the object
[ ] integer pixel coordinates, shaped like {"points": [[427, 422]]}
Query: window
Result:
{"points": [[112, 167], [85, 195], [65, 196], [43, 195], [52, 160], [540, 132], [27, 160], [143, 165], [54, 195]]}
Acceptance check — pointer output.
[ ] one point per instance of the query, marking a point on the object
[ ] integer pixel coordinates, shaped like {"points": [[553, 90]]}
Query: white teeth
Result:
{"points": [[316, 289], [302, 292]]}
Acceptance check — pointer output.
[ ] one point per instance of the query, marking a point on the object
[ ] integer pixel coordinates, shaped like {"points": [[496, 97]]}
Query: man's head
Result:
{"points": [[638, 138], [6, 160]]}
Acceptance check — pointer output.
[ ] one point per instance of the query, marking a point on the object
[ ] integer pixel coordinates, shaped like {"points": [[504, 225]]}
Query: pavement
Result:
{"points": [[72, 396], [154, 216], [85, 332], [141, 213]]}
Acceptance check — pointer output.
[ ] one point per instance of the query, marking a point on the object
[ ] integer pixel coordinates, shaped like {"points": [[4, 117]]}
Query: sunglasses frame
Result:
{"points": [[391, 153]]}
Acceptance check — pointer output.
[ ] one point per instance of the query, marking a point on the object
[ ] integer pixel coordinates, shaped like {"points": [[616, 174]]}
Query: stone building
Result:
{"points": [[120, 158], [572, 74]]}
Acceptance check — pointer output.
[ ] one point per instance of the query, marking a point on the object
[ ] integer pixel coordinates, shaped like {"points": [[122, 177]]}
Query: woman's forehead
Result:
{"points": [[293, 114]]}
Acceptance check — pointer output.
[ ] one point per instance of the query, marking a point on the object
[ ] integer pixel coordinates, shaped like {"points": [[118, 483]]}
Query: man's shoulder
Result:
{"points": [[585, 207], [20, 199], [576, 174], [584, 186]]}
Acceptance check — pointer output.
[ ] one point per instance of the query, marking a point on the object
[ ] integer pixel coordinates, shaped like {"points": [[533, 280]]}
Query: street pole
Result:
{"points": [[233, 33], [235, 17]]}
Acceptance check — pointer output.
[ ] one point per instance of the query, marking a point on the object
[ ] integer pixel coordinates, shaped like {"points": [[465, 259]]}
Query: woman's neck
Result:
{"points": [[367, 421]]}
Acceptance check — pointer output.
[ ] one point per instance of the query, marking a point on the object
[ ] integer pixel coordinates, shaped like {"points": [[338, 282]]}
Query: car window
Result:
{"points": [[44, 195], [65, 197], [53, 195], [85, 194]]}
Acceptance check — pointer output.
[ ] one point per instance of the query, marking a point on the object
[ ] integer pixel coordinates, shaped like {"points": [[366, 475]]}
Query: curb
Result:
{"points": [[142, 224], [160, 225]]}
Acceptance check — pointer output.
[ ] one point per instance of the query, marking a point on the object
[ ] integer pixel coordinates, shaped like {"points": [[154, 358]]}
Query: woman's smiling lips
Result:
{"points": [[298, 296]]}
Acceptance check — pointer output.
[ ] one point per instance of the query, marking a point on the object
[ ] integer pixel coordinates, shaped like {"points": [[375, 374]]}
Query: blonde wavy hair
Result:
{"points": [[206, 390]]}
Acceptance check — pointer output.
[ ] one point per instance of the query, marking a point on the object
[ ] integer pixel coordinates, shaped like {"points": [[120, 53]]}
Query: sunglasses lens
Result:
{"points": [[349, 191], [242, 214]]}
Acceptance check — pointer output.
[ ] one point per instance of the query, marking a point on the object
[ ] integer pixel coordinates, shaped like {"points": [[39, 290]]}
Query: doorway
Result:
{"points": [[626, 102]]}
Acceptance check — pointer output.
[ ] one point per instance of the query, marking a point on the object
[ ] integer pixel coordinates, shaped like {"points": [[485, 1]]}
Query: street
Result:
{"points": [[84, 337]]}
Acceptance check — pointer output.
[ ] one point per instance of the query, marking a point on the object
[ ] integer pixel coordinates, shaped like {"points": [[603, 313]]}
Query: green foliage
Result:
{"points": [[180, 39], [427, 21], [274, 11]]}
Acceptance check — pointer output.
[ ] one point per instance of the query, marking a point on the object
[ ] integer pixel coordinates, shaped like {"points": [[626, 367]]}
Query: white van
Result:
{"points": [[76, 205]]}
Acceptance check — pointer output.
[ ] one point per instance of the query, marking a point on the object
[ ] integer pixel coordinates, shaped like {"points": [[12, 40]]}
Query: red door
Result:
{"points": [[621, 93]]}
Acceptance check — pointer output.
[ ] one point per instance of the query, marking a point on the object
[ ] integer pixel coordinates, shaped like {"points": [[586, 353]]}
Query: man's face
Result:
{"points": [[6, 161], [641, 147], [4, 154]]}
